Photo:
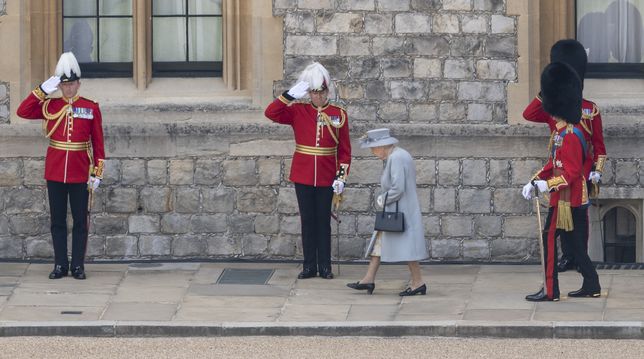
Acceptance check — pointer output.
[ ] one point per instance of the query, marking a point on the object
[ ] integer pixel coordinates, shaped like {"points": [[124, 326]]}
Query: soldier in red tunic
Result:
{"points": [[320, 162], [563, 177], [573, 53], [75, 158]]}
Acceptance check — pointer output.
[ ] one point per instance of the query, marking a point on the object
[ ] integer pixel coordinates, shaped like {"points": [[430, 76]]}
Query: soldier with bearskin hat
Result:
{"points": [[74, 161], [563, 177], [320, 162], [572, 52]]}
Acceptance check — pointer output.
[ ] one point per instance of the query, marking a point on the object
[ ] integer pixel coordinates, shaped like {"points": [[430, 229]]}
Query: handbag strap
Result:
{"points": [[384, 205]]}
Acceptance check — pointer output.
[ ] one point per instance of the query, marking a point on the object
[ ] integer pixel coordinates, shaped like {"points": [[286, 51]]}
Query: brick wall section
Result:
{"points": [[406, 61], [4, 102]]}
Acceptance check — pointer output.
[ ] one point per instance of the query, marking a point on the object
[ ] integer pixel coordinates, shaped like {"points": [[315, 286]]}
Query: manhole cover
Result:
{"points": [[245, 276]]}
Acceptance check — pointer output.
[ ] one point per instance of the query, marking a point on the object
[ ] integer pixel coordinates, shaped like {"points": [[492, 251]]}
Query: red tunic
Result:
{"points": [[591, 123], [322, 140], [68, 155], [564, 169]]}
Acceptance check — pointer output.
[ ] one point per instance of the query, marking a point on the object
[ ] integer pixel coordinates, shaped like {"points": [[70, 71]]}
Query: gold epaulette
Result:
{"points": [[38, 92], [88, 99]]}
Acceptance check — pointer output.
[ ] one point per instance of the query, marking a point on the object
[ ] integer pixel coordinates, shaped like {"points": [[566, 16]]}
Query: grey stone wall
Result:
{"points": [[3, 7], [4, 102], [406, 61]]}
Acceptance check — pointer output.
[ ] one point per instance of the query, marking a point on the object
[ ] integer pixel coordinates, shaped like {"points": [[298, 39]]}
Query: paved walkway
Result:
{"points": [[185, 294]]}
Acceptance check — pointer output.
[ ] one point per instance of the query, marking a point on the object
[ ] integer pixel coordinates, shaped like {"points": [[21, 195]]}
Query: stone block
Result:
{"points": [[378, 23], [392, 5], [500, 113], [423, 113], [376, 90], [256, 200], [431, 225], [448, 172], [350, 247], [122, 200], [395, 67], [207, 172], [434, 46], [350, 91], [364, 68], [481, 91], [384, 46], [474, 24], [442, 90], [452, 112], [510, 249], [283, 245], [496, 70], [209, 223], [299, 22], [487, 226], [287, 201], [269, 171], [457, 226], [477, 249], [189, 246], [157, 171], [425, 172], [267, 224], [445, 24], [4, 225], [362, 112], [285, 4], [155, 245], [356, 5], [175, 223], [221, 245], [626, 173], [254, 245], [95, 246], [364, 172], [445, 248], [408, 90], [426, 5], [510, 200], [143, 224], [459, 69], [132, 172], [502, 24], [424, 199], [393, 112], [489, 5], [218, 199], [310, 45], [358, 199], [181, 171], [240, 173], [122, 246], [336, 65], [457, 5], [10, 174], [467, 46], [412, 23], [111, 172], [156, 199], [293, 66], [608, 176], [501, 47], [339, 22], [474, 172], [316, 4], [241, 223], [290, 225], [354, 46], [523, 170], [444, 199], [11, 247], [39, 247], [106, 224], [365, 225], [427, 67], [187, 200], [499, 172], [34, 171], [475, 200], [24, 200], [479, 112], [521, 227], [29, 224]]}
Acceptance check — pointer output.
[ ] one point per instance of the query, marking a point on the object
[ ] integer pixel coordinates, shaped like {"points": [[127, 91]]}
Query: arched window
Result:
{"points": [[619, 236]]}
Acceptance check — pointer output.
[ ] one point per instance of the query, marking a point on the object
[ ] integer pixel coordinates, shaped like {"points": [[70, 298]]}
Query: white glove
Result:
{"points": [[338, 186], [50, 85], [299, 90], [541, 185], [595, 177], [93, 183], [527, 191]]}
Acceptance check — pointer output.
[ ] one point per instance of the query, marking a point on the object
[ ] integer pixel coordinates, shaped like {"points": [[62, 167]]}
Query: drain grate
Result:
{"points": [[620, 266], [245, 276]]}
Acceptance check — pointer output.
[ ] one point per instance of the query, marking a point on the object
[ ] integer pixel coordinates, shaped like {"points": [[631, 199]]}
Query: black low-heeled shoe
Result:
{"points": [[58, 272], [541, 296], [326, 274], [369, 287], [585, 293], [422, 290], [305, 274], [79, 273]]}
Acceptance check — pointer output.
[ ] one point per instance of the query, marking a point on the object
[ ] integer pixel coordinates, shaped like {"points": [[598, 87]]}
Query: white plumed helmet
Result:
{"points": [[317, 77], [67, 68]]}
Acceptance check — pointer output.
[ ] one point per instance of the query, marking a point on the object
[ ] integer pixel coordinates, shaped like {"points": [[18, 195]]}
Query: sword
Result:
{"points": [[337, 198], [540, 239], [90, 200]]}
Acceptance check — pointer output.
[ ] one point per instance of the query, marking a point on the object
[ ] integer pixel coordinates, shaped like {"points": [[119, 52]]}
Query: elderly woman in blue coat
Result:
{"points": [[397, 184]]}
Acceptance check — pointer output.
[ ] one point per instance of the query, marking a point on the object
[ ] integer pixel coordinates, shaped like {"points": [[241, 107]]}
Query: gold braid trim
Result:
{"points": [[329, 125], [601, 161], [564, 216], [58, 117], [556, 182], [98, 170], [38, 92]]}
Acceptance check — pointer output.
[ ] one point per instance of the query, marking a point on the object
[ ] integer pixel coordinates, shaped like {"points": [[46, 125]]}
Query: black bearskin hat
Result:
{"points": [[571, 52], [561, 92]]}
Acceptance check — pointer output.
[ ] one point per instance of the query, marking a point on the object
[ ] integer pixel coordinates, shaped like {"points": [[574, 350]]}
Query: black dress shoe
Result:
{"points": [[422, 290], [326, 274], [369, 287], [58, 272], [586, 293], [565, 263], [79, 273], [307, 273], [541, 296]]}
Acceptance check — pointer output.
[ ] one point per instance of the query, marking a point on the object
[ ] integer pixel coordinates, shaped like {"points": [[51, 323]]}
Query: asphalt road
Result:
{"points": [[314, 347]]}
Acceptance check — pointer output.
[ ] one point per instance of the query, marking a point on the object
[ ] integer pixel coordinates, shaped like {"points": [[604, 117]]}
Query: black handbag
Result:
{"points": [[390, 221]]}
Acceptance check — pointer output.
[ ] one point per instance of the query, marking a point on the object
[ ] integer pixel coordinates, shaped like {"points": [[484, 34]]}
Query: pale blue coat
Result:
{"points": [[398, 180]]}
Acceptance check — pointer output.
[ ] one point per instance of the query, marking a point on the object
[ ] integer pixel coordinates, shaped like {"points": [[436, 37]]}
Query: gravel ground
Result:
{"points": [[314, 347]]}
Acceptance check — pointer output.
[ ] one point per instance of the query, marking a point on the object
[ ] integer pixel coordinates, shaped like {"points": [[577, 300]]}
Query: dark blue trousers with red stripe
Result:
{"points": [[576, 239]]}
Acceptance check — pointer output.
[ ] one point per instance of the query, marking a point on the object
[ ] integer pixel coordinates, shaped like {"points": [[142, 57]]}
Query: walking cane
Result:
{"points": [[540, 239], [337, 199]]}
